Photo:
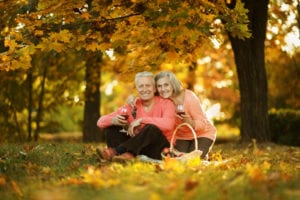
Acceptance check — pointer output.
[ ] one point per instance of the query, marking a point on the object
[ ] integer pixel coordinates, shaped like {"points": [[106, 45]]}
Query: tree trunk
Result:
{"points": [[30, 103], [91, 133], [40, 105], [250, 61], [191, 77], [31, 7]]}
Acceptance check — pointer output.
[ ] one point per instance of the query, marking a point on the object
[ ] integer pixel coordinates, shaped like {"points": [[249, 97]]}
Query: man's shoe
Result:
{"points": [[106, 153], [123, 157]]}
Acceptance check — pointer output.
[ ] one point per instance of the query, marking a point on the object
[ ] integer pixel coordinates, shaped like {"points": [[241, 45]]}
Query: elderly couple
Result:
{"points": [[152, 120]]}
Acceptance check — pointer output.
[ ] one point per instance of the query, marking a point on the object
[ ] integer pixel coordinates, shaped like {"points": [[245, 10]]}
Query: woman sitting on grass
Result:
{"points": [[168, 86]]}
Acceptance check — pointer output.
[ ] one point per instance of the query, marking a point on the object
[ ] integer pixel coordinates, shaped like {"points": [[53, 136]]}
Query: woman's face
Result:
{"points": [[164, 87]]}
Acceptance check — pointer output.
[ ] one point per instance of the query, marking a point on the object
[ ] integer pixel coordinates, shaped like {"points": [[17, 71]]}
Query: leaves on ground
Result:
{"points": [[73, 171]]}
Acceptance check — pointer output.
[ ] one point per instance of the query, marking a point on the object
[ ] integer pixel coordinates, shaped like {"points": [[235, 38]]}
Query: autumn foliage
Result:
{"points": [[159, 30]]}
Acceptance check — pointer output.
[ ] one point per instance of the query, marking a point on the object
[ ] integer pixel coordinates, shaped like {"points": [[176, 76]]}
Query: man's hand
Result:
{"points": [[119, 120], [132, 126]]}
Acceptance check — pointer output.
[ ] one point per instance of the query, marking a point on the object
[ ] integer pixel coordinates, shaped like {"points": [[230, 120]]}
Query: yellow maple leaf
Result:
{"points": [[59, 47], [96, 178], [217, 156], [38, 32], [93, 46], [283, 166], [5, 58], [46, 170], [266, 166], [65, 36], [172, 164]]}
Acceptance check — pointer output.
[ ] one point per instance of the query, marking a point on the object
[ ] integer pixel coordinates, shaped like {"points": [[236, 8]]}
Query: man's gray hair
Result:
{"points": [[144, 74]]}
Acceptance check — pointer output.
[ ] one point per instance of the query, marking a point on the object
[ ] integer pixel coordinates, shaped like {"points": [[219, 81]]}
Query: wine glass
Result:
{"points": [[180, 109], [125, 114]]}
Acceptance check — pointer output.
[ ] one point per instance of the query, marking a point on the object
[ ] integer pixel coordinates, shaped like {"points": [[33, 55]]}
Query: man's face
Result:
{"points": [[145, 88]]}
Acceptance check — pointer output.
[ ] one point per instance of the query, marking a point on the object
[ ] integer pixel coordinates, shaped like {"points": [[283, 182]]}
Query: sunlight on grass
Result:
{"points": [[73, 171], [225, 132]]}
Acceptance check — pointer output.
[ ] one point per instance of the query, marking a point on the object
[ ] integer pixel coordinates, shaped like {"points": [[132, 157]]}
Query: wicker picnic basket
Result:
{"points": [[173, 153]]}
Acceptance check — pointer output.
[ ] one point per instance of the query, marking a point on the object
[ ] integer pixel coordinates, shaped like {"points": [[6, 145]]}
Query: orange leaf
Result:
{"points": [[2, 181], [16, 188], [85, 15]]}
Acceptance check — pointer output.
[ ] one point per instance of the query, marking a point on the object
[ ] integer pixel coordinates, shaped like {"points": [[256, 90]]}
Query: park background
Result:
{"points": [[63, 65], [66, 63]]}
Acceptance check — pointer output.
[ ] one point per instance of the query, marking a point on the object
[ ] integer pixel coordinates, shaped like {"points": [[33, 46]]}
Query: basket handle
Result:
{"points": [[175, 131]]}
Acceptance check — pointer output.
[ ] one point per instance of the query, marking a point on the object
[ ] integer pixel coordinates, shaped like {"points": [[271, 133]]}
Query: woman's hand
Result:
{"points": [[132, 127], [187, 118], [131, 100]]}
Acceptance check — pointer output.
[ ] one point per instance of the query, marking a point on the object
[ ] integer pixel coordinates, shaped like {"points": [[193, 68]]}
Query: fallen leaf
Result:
{"points": [[2, 181], [16, 188], [190, 184]]}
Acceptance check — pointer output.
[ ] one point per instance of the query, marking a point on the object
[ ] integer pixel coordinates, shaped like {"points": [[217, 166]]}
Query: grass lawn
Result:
{"points": [[61, 171]]}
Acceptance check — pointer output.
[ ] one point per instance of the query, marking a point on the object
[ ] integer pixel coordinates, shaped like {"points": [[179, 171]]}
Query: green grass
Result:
{"points": [[63, 171]]}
